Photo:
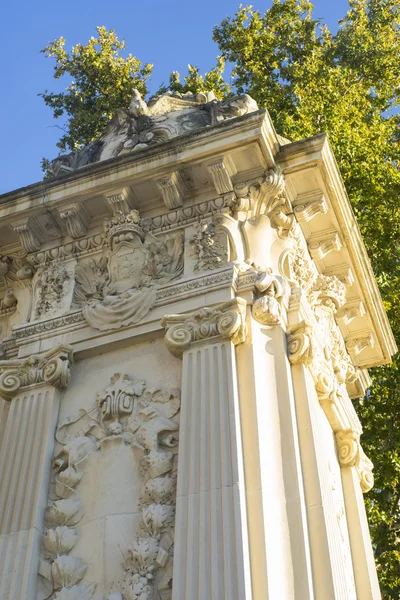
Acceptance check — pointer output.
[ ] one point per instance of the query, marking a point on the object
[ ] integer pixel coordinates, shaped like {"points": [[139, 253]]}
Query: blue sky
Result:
{"points": [[168, 34]]}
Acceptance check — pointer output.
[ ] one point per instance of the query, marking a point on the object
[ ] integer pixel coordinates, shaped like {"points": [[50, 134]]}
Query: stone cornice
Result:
{"points": [[50, 368], [224, 321], [334, 230]]}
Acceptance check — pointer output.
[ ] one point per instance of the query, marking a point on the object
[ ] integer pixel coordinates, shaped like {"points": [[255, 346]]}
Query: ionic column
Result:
{"points": [[211, 558], [30, 387]]}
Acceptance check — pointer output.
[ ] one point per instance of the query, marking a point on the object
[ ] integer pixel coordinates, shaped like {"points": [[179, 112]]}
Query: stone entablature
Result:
{"points": [[191, 215]]}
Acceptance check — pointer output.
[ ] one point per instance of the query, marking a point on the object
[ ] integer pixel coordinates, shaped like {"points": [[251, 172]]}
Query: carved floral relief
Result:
{"points": [[209, 248], [126, 412]]}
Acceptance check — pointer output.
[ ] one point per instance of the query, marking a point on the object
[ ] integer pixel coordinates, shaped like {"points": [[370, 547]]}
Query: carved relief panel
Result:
{"points": [[115, 456]]}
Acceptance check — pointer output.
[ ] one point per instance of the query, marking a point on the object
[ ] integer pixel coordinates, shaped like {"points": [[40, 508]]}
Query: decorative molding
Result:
{"points": [[221, 170], [308, 210], [172, 188], [172, 220], [29, 235], [165, 294], [75, 219], [126, 413], [73, 249], [329, 291], [50, 368], [225, 321], [320, 248]]}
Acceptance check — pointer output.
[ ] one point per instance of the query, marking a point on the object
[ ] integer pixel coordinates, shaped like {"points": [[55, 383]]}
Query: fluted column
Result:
{"points": [[30, 387], [211, 558]]}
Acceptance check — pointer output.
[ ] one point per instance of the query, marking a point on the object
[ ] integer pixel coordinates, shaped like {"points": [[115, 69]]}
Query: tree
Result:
{"points": [[348, 86], [311, 81], [102, 82]]}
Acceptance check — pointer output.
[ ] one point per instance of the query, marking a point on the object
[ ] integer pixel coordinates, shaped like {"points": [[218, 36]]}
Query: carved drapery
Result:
{"points": [[126, 412]]}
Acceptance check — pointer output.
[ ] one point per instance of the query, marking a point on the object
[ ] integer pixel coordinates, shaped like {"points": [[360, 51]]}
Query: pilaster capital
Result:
{"points": [[351, 454], [50, 368], [301, 346], [227, 321], [348, 445]]}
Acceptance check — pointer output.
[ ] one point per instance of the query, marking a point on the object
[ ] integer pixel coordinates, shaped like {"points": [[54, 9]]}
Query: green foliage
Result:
{"points": [[347, 85], [213, 80], [102, 82]]}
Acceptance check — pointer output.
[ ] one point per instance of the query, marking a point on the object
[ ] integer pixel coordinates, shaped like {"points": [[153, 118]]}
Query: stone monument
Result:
{"points": [[186, 312]]}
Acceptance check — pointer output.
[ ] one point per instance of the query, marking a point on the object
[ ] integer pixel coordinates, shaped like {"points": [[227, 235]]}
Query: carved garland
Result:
{"points": [[126, 413]]}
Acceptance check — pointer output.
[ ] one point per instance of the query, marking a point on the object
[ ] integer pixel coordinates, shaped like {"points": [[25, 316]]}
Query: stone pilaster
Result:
{"points": [[211, 549], [278, 533], [31, 388]]}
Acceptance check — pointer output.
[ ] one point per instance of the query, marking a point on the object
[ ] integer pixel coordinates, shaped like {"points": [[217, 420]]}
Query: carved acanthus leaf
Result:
{"points": [[225, 320]]}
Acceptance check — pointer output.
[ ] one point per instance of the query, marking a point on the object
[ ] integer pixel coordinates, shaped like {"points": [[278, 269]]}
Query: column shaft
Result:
{"points": [[25, 462], [211, 552]]}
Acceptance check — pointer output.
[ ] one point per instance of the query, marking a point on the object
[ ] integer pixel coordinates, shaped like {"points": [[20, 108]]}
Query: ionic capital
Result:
{"points": [[50, 368], [348, 446], [301, 346], [226, 321]]}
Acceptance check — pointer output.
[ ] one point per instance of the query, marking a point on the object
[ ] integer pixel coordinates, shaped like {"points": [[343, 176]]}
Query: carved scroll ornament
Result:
{"points": [[225, 321], [50, 368]]}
